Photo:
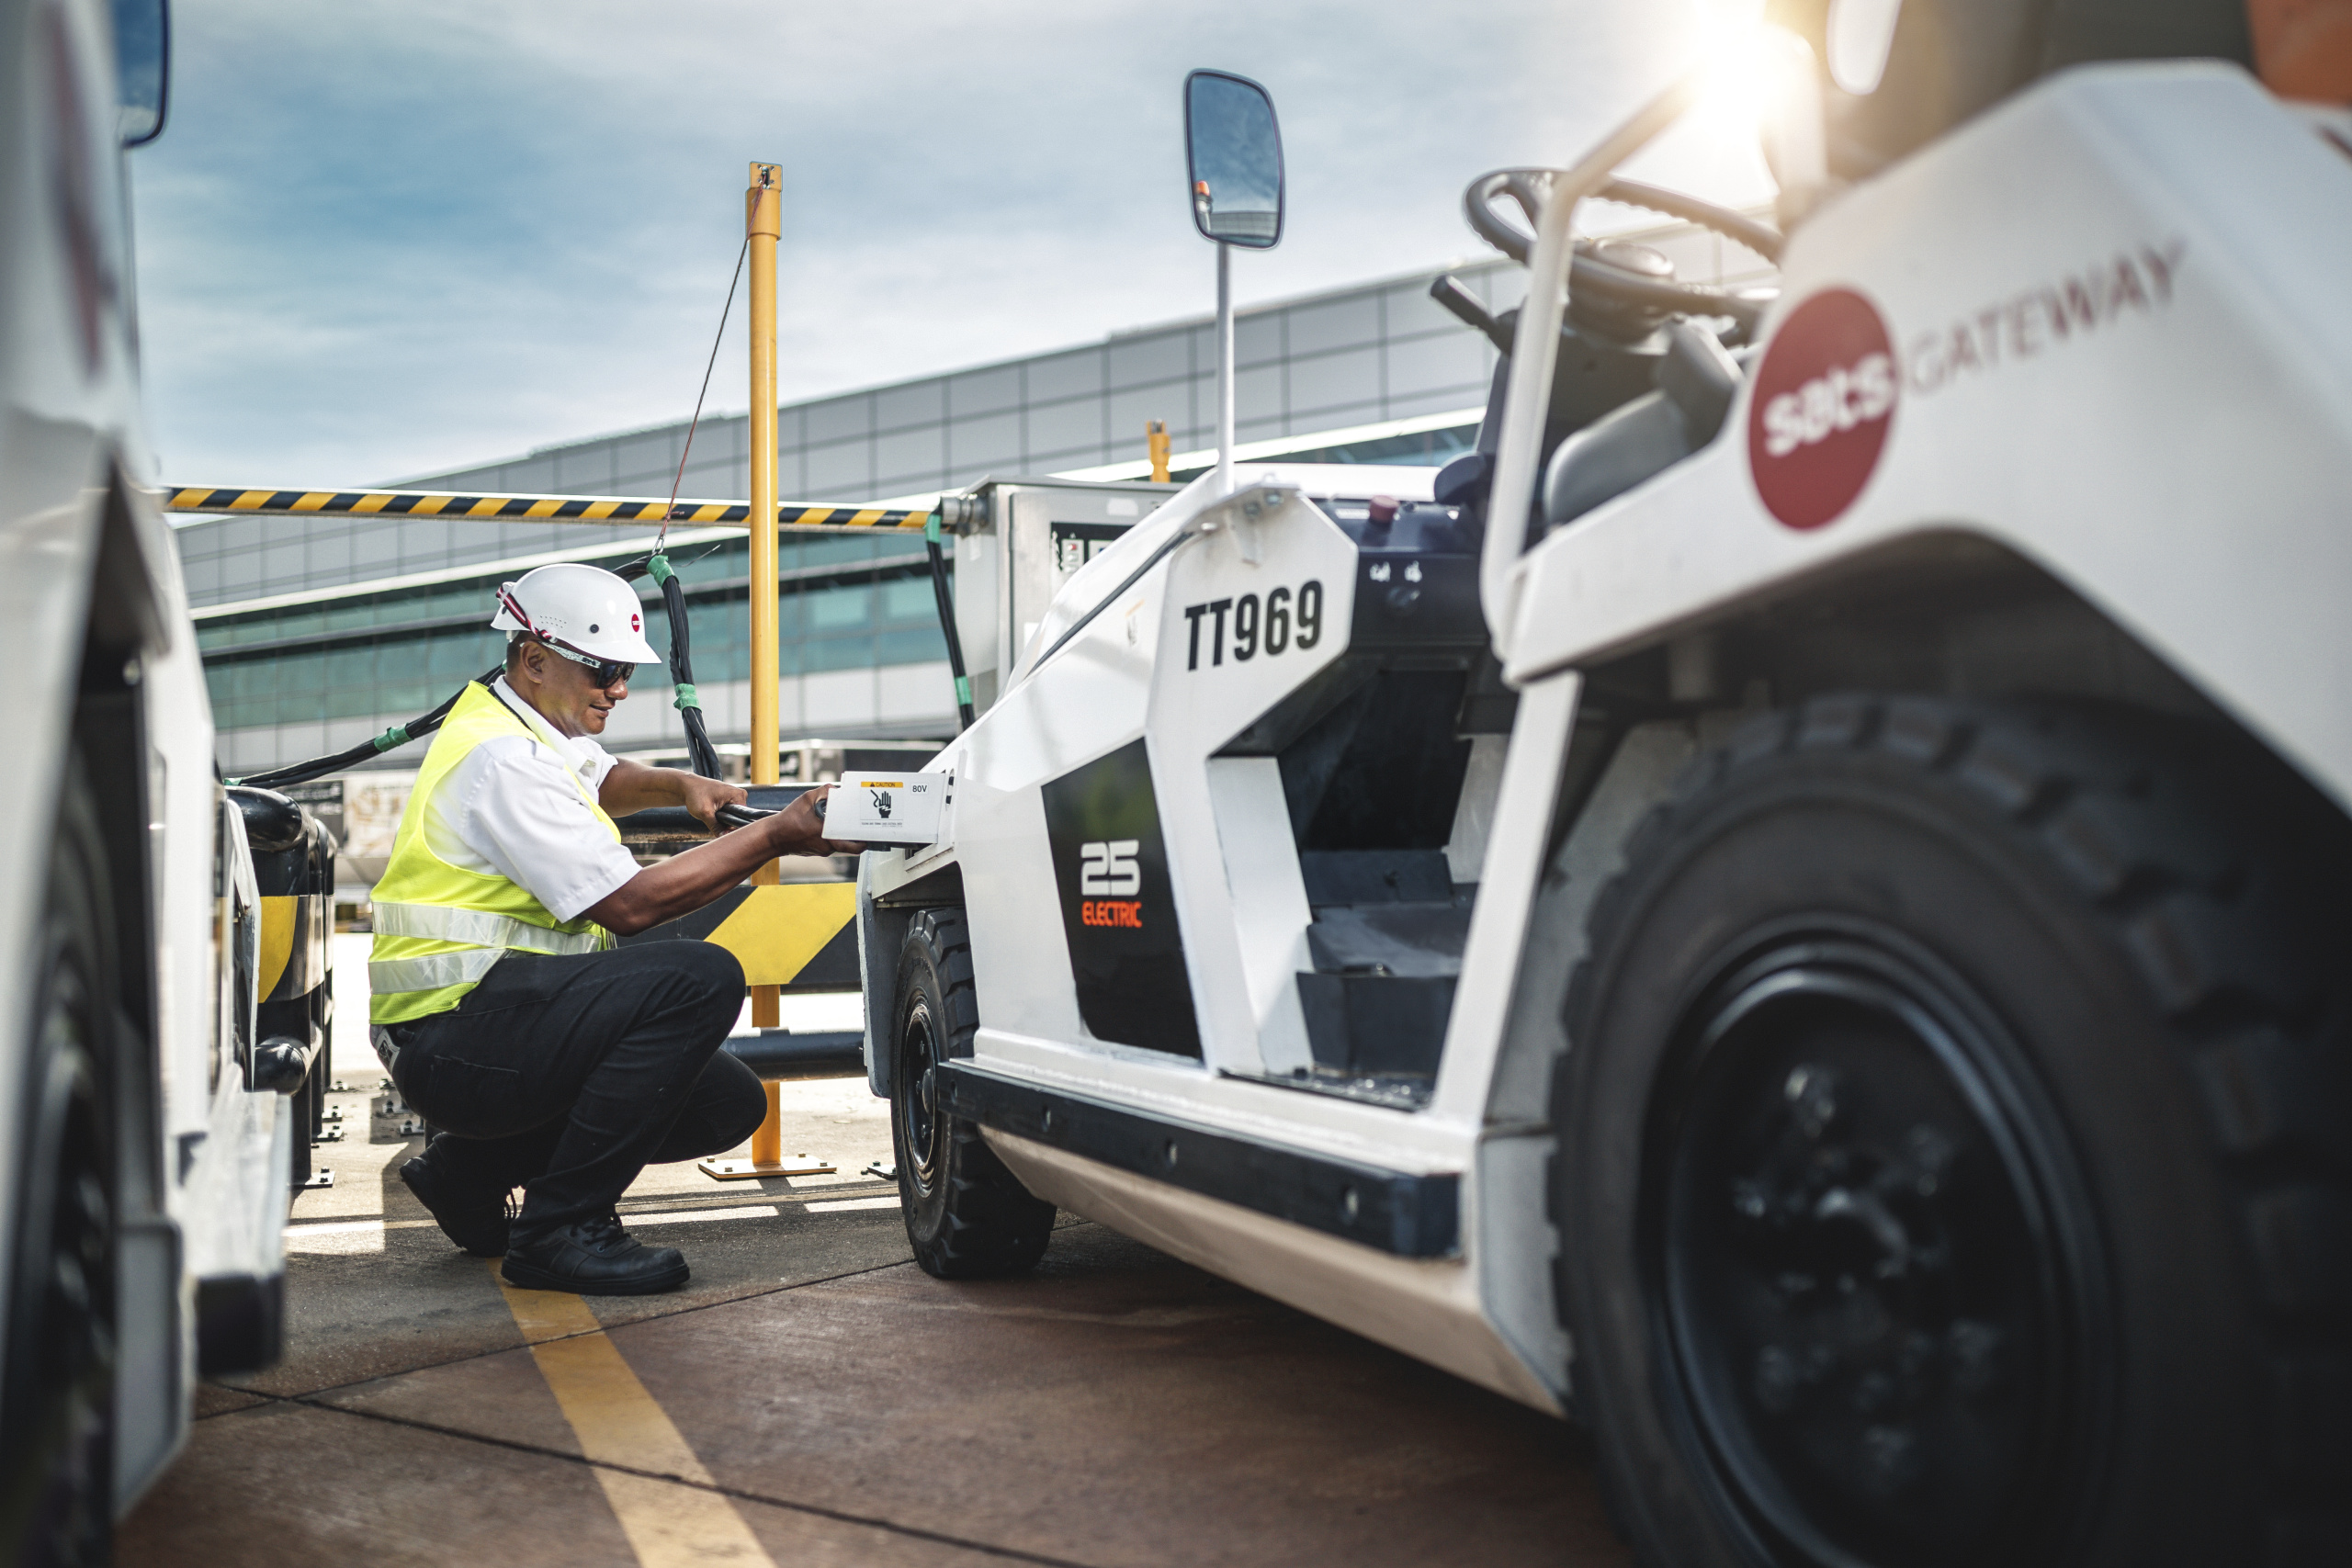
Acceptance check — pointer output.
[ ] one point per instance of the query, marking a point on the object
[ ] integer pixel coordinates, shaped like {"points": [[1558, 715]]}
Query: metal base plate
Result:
{"points": [[744, 1169]]}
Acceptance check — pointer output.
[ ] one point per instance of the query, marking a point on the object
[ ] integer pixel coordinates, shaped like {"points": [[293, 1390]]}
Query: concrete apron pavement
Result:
{"points": [[811, 1396]]}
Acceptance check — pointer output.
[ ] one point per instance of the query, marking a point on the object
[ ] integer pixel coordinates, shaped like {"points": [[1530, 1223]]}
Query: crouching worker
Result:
{"points": [[550, 1059]]}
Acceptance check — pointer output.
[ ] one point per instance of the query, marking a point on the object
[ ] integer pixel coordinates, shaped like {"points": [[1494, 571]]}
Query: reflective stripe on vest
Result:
{"points": [[479, 928], [431, 973], [439, 928]]}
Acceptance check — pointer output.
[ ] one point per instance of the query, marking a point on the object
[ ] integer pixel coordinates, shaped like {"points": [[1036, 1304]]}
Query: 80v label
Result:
{"points": [[1280, 622]]}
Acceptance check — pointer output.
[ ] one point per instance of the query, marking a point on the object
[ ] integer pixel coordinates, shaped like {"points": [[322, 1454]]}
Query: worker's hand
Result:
{"points": [[798, 831], [704, 797]]}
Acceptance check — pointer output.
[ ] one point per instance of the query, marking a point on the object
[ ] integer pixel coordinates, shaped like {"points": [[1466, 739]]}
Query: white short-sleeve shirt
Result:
{"points": [[510, 809]]}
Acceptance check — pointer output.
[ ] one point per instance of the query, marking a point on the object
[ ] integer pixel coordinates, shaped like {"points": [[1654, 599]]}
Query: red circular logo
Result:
{"points": [[634, 624], [1825, 396]]}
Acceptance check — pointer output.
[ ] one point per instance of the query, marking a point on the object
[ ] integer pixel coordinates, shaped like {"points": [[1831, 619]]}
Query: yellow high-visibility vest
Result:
{"points": [[439, 928]]}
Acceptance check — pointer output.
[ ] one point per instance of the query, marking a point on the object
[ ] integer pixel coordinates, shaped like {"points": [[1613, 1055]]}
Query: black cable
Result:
{"points": [[701, 755], [399, 735], [947, 625], [695, 423]]}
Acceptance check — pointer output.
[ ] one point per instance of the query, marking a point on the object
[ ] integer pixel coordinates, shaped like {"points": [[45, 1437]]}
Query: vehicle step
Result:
{"points": [[1377, 1023], [1375, 876], [1416, 940], [1399, 1092]]}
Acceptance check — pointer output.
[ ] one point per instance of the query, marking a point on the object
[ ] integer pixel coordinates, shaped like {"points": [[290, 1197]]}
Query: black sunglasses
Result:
{"points": [[605, 672]]}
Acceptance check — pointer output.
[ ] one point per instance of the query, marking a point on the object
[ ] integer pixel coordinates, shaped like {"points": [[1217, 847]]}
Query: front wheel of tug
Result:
{"points": [[1951, 1136], [967, 1217], [57, 1394]]}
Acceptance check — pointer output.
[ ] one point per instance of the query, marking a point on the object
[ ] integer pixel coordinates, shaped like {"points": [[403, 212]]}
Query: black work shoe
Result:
{"points": [[475, 1219], [594, 1257]]}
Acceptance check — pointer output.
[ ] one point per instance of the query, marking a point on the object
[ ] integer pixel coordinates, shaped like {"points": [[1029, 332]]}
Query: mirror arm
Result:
{"points": [[1224, 422]]}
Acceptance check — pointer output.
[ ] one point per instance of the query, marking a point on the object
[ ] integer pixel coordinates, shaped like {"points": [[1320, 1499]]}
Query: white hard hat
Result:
{"points": [[583, 608]]}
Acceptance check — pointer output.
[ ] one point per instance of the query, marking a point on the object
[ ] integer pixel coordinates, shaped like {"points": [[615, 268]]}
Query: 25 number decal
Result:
{"points": [[1274, 627], [1107, 869]]}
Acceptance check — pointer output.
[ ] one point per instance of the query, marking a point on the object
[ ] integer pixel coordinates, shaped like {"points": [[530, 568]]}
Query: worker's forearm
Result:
{"points": [[685, 883], [633, 786]]}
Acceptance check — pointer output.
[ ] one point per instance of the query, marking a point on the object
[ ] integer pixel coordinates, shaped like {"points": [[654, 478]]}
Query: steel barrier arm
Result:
{"points": [[225, 500]]}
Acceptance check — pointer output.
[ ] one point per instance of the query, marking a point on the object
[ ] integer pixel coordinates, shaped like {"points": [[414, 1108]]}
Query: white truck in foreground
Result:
{"points": [[163, 997], [1797, 906]]}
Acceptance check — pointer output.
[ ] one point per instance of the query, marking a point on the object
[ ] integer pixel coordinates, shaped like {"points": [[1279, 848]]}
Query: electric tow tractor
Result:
{"points": [[1792, 906]]}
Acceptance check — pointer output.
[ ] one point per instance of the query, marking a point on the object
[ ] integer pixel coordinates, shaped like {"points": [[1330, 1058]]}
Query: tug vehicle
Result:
{"points": [[163, 938], [1793, 908]]}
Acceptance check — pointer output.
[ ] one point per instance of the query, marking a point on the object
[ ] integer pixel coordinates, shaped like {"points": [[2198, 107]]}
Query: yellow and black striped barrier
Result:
{"points": [[222, 501], [797, 936]]}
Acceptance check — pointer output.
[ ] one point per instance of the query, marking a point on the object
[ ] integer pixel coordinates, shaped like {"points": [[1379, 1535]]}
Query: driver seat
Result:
{"points": [[1697, 379]]}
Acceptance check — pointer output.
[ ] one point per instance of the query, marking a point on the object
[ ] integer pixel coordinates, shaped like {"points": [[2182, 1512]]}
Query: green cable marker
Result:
{"points": [[685, 697], [395, 735]]}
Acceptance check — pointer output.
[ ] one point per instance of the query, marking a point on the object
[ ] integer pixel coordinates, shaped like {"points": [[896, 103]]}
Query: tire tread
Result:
{"points": [[2170, 836], [990, 1225]]}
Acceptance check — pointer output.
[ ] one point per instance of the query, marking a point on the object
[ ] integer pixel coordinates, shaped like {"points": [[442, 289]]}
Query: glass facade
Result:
{"points": [[842, 607]]}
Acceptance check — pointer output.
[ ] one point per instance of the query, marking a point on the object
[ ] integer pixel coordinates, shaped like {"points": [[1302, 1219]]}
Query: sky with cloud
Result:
{"points": [[389, 237]]}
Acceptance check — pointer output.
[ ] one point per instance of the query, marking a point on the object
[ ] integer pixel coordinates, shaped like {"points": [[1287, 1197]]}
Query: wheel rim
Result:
{"points": [[1873, 1267], [920, 1117]]}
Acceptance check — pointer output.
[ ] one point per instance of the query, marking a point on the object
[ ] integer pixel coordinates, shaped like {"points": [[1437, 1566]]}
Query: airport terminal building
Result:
{"points": [[317, 635]]}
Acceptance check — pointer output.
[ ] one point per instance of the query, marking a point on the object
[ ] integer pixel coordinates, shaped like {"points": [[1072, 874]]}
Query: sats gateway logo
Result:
{"points": [[1824, 400], [1127, 955]]}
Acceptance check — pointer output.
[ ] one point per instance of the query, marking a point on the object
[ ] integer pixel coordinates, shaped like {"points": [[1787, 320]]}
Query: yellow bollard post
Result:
{"points": [[767, 1151], [764, 225], [767, 1143], [1155, 434]]}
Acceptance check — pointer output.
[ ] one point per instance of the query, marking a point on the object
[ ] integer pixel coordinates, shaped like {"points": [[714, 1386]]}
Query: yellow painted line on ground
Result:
{"points": [[619, 1423]]}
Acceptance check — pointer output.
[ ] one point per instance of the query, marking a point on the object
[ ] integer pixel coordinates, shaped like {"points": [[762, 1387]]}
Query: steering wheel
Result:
{"points": [[1526, 188]]}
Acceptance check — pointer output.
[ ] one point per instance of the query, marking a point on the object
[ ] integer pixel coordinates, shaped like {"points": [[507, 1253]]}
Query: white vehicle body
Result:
{"points": [[2087, 294], [110, 698]]}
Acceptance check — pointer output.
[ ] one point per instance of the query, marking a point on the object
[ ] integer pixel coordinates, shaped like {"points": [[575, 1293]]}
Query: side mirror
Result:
{"points": [[1235, 153], [142, 56]]}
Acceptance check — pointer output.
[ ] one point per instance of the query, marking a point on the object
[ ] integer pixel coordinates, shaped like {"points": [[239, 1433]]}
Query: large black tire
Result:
{"points": [[967, 1217], [56, 1434], [1953, 1149]]}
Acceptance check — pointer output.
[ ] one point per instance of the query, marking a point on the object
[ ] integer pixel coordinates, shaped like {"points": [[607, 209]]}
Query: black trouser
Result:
{"points": [[569, 1076]]}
